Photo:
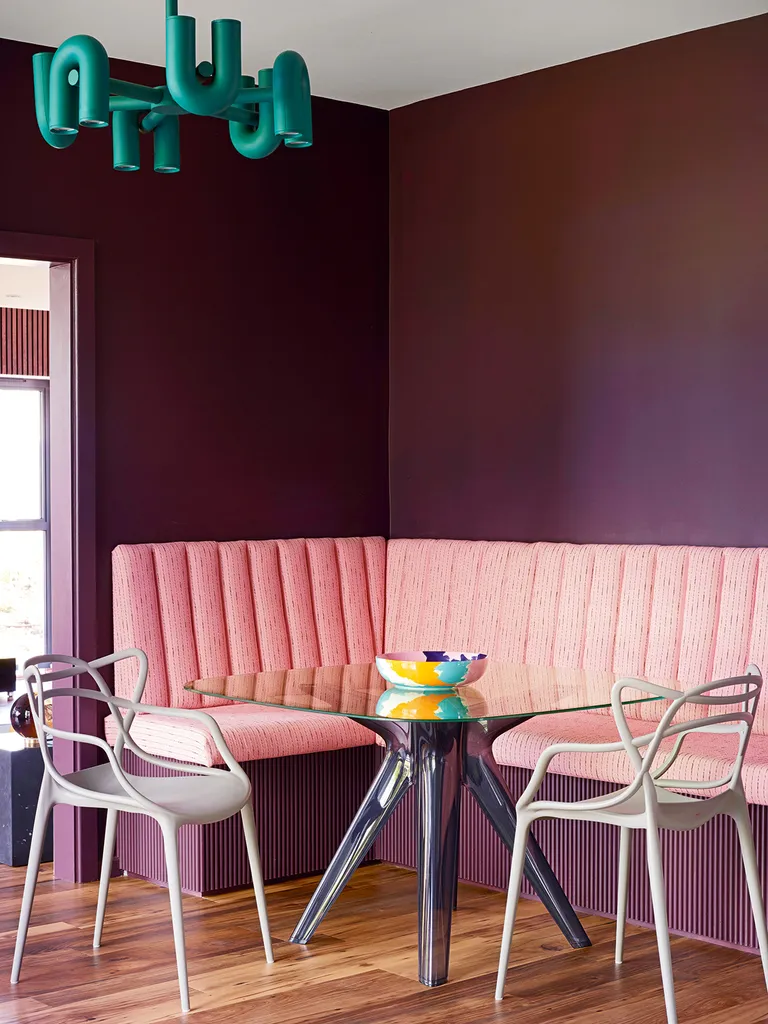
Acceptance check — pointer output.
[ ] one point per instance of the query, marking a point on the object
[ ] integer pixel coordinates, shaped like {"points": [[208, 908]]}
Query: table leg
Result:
{"points": [[393, 780], [484, 780], [437, 754], [458, 848]]}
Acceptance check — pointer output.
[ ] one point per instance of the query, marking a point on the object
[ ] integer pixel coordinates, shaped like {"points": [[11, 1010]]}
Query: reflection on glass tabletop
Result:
{"points": [[504, 691]]}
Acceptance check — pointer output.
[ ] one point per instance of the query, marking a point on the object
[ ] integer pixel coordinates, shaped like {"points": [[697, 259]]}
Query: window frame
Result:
{"points": [[42, 525]]}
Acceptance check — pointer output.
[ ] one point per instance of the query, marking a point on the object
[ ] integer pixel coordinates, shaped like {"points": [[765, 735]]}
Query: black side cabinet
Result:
{"points": [[21, 772], [7, 676]]}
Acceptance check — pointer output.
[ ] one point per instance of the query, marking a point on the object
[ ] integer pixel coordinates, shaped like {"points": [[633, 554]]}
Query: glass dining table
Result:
{"points": [[438, 756]]}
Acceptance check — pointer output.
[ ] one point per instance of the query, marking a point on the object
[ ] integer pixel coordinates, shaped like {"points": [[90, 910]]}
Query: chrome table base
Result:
{"points": [[438, 758]]}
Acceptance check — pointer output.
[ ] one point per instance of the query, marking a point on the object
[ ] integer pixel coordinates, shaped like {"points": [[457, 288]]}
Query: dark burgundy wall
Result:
{"points": [[241, 321], [579, 308]]}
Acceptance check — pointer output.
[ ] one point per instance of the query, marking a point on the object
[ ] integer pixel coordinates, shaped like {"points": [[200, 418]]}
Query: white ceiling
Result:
{"points": [[24, 284], [384, 53]]}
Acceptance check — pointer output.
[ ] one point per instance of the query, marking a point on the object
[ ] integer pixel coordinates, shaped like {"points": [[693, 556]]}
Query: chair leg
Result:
{"points": [[658, 896], [751, 870], [625, 852], [44, 804], [252, 845], [171, 841], [513, 895], [107, 859]]}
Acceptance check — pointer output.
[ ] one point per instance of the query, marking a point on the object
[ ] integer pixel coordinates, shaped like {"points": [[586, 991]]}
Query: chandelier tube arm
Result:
{"points": [[125, 140], [240, 115], [148, 94], [260, 141], [85, 103], [167, 107], [167, 149], [292, 99], [218, 92], [250, 95], [41, 72], [152, 120], [124, 103]]}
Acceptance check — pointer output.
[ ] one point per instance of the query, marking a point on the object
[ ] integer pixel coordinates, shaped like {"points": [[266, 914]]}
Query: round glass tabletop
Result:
{"points": [[504, 691]]}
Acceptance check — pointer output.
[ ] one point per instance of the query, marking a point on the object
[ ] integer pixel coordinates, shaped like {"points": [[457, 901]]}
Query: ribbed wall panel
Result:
{"points": [[24, 342], [706, 891], [303, 807]]}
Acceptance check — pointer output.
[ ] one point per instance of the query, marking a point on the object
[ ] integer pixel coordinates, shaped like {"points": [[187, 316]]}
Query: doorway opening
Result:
{"points": [[47, 490], [25, 535]]}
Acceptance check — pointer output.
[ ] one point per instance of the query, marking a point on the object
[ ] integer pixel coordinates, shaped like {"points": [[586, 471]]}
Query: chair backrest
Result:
{"points": [[37, 694], [123, 711], [724, 706]]}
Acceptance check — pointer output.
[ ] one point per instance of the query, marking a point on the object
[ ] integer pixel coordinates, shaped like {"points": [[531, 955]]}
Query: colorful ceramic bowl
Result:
{"points": [[426, 670]]}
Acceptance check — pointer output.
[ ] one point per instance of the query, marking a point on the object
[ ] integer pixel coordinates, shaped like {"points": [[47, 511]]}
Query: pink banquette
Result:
{"points": [[207, 608]]}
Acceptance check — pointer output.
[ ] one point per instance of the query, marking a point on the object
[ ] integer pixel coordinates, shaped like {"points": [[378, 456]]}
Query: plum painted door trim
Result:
{"points": [[72, 507]]}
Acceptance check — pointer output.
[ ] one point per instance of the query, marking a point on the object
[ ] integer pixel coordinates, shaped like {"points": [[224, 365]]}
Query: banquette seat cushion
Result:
{"points": [[702, 756], [251, 733]]}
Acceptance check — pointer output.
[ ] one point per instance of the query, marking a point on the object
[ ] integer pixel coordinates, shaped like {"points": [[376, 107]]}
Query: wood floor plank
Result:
{"points": [[360, 967]]}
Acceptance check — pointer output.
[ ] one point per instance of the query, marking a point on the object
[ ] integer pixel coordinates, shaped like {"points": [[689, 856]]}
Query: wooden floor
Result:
{"points": [[359, 969]]}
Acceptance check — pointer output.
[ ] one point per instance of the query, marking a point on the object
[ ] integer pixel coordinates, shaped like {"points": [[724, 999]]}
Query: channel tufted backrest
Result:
{"points": [[208, 608], [686, 613]]}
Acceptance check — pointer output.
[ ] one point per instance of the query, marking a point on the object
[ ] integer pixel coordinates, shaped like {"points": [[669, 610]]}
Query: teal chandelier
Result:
{"points": [[73, 90]]}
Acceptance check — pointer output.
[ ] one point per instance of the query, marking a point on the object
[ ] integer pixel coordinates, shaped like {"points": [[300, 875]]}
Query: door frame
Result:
{"points": [[72, 512]]}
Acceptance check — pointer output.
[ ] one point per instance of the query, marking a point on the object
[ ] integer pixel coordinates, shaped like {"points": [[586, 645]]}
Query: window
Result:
{"points": [[24, 518]]}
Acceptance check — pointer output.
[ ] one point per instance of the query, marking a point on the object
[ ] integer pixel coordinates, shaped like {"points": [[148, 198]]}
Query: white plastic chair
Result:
{"points": [[202, 796], [649, 803]]}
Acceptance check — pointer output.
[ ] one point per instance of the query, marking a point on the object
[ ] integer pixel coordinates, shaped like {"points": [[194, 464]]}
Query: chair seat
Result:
{"points": [[198, 798], [703, 756], [631, 810], [251, 732]]}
